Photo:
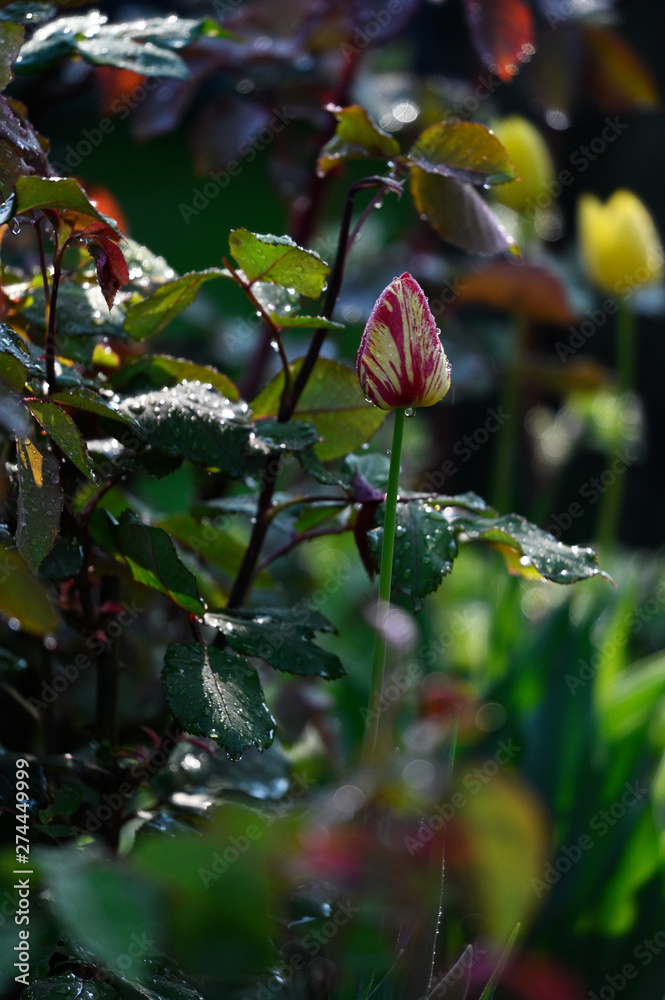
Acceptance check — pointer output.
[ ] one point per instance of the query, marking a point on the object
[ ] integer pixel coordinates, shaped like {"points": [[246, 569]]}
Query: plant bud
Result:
{"points": [[531, 159], [619, 245], [401, 362]]}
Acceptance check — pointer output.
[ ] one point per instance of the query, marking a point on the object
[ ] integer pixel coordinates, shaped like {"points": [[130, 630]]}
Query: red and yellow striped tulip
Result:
{"points": [[401, 362]]}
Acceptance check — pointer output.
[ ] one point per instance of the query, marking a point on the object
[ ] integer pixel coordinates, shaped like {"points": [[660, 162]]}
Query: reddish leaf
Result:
{"points": [[525, 289], [502, 34], [617, 79], [111, 266], [458, 213]]}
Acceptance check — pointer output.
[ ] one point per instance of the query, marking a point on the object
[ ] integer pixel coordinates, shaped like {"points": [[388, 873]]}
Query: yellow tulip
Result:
{"points": [[619, 244], [533, 163]]}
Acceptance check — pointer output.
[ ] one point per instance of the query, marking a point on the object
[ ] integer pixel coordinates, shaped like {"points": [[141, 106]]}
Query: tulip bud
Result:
{"points": [[401, 361], [532, 161], [618, 241]]}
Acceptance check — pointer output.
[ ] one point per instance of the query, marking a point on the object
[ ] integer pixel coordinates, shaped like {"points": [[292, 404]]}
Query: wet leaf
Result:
{"points": [[425, 548], [196, 422], [459, 214], [279, 260], [13, 371], [16, 130], [14, 416], [502, 34], [86, 399], [531, 552], [61, 428], [145, 47], [616, 76], [217, 694], [40, 499], [23, 596], [467, 151], [59, 194], [148, 317], [332, 402], [67, 986], [356, 137], [153, 561], [32, 12], [159, 371], [289, 436], [280, 637]]}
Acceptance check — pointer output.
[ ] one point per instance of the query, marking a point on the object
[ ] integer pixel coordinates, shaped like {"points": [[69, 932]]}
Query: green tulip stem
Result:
{"points": [[626, 366], [385, 579]]}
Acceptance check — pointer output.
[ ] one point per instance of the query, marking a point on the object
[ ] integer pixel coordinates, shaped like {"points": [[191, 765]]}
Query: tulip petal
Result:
{"points": [[620, 246], [401, 361]]}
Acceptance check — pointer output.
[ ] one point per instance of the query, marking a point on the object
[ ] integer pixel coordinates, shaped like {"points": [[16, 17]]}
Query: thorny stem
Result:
{"points": [[245, 574], [385, 579]]}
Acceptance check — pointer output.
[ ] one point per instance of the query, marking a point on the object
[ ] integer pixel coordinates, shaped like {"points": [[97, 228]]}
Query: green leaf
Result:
{"points": [[217, 694], [332, 402], [279, 260], [143, 46], [531, 552], [289, 436], [459, 214], [356, 137], [67, 986], [207, 537], [11, 40], [425, 547], [13, 371], [13, 346], [281, 638], [632, 699], [467, 151], [493, 981], [195, 422], [32, 12], [82, 319], [61, 428], [288, 321], [103, 906], [40, 499], [153, 561], [23, 596], [143, 319], [59, 194], [90, 401], [159, 371]]}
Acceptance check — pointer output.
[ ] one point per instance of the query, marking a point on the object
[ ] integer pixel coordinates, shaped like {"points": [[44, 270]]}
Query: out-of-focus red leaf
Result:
{"points": [[112, 272], [616, 77], [525, 289], [108, 204], [502, 34], [118, 89]]}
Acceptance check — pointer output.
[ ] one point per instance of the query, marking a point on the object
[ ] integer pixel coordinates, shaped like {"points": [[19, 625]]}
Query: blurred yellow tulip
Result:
{"points": [[533, 163], [620, 247]]}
